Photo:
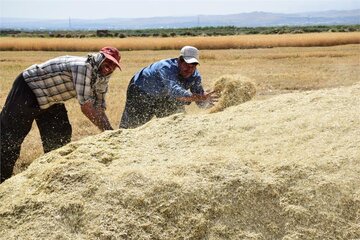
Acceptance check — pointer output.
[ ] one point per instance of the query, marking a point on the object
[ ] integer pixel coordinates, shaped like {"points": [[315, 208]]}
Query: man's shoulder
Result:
{"points": [[74, 59], [61, 63], [169, 63], [165, 66], [68, 60]]}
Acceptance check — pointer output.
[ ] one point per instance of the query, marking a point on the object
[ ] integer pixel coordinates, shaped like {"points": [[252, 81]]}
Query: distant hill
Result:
{"points": [[251, 19]]}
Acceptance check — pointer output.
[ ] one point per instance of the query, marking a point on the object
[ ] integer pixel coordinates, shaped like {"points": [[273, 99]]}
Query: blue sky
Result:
{"points": [[99, 9]]}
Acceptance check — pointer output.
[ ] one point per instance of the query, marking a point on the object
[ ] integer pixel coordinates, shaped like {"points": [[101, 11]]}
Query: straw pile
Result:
{"points": [[284, 168], [232, 90]]}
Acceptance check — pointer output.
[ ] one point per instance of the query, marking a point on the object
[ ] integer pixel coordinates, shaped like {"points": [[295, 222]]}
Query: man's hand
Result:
{"points": [[96, 115], [210, 97]]}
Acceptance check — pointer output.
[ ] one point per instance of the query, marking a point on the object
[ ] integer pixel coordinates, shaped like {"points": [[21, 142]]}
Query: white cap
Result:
{"points": [[190, 54]]}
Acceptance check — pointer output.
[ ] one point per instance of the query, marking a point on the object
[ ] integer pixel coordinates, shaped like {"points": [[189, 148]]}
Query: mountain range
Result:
{"points": [[251, 19]]}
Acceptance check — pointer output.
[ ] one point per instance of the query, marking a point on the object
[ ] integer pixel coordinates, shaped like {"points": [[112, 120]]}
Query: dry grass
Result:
{"points": [[273, 70], [151, 43]]}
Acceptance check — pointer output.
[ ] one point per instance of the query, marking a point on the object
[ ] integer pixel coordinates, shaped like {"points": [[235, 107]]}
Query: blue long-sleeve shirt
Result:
{"points": [[162, 79]]}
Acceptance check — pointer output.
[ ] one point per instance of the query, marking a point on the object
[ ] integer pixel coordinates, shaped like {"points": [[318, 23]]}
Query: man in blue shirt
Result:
{"points": [[162, 89]]}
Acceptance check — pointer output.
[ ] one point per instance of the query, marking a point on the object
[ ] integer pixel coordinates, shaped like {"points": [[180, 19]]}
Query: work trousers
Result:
{"points": [[17, 116], [141, 107]]}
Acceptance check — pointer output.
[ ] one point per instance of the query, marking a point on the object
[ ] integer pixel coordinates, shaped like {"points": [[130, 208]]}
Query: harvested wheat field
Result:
{"points": [[287, 167]]}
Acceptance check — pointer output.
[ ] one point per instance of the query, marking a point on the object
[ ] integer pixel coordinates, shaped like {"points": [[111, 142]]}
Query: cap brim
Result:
{"points": [[190, 60], [108, 56]]}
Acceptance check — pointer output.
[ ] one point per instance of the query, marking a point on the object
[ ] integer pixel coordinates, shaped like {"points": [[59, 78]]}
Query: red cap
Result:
{"points": [[112, 54]]}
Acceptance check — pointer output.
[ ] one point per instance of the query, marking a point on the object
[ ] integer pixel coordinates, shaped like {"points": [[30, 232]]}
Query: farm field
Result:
{"points": [[274, 71], [284, 165], [201, 42]]}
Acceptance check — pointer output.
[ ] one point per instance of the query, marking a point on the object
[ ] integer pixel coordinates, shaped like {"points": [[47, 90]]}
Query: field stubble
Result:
{"points": [[273, 71]]}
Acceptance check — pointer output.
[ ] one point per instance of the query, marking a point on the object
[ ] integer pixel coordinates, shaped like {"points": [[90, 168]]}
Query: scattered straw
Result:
{"points": [[232, 90]]}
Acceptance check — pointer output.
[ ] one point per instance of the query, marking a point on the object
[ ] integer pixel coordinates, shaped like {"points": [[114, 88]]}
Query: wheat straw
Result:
{"points": [[152, 43]]}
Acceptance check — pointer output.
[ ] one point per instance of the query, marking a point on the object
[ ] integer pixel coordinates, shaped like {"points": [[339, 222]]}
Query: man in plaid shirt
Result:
{"points": [[38, 94]]}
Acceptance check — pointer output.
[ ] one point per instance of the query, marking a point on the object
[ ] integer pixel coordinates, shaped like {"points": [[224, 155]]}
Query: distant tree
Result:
{"points": [[102, 33], [122, 35]]}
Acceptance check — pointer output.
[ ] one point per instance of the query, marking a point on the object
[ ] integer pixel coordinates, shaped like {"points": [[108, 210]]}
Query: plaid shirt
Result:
{"points": [[62, 78]]}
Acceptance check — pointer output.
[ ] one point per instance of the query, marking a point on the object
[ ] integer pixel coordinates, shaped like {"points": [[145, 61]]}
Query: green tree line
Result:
{"points": [[173, 32]]}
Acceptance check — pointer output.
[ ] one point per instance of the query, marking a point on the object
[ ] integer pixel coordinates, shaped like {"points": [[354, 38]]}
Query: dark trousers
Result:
{"points": [[140, 107], [19, 112]]}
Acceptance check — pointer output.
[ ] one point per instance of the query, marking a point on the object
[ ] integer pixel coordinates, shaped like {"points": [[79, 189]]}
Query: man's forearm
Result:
{"points": [[102, 121], [97, 116], [193, 98]]}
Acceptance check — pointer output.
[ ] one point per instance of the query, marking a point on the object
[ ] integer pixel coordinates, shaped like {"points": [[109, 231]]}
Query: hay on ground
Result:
{"points": [[285, 168]]}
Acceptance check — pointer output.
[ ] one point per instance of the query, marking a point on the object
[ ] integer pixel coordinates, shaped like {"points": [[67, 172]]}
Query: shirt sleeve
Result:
{"points": [[198, 89], [170, 81], [100, 89], [82, 82], [197, 86]]}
